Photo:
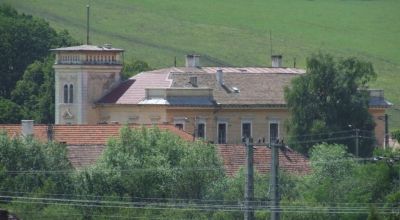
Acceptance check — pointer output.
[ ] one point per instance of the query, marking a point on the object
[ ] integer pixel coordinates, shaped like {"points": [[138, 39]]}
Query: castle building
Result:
{"points": [[219, 104], [84, 74]]}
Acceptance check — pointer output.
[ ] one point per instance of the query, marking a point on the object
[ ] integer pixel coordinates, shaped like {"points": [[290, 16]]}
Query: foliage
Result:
{"points": [[10, 112], [396, 135], [148, 166], [26, 67], [19, 155], [29, 168], [35, 91], [151, 163], [169, 166], [134, 67], [330, 165], [23, 40], [329, 101]]}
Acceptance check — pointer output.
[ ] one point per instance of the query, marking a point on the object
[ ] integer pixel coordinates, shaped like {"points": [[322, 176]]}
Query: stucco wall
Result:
{"points": [[378, 115], [90, 83], [259, 118], [137, 114]]}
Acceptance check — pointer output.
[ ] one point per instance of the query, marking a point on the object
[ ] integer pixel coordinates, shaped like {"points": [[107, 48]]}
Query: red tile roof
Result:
{"points": [[83, 156], [84, 134], [14, 130], [234, 157], [86, 142]]}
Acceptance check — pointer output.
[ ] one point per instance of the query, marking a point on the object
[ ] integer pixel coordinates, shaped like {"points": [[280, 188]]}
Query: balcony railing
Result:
{"points": [[70, 62]]}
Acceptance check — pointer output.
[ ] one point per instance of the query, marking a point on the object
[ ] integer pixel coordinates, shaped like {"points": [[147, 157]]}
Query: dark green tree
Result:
{"points": [[134, 67], [35, 91], [23, 39], [10, 112], [26, 73], [148, 162], [329, 102]]}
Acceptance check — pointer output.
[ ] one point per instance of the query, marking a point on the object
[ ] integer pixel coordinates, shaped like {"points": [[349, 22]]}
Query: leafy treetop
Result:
{"points": [[331, 97]]}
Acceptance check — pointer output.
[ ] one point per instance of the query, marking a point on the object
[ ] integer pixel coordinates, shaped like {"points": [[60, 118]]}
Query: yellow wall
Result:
{"points": [[379, 117], [259, 118], [138, 114]]}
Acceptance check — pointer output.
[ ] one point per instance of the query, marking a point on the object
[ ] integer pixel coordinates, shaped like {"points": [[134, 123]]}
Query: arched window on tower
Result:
{"points": [[65, 93], [71, 93]]}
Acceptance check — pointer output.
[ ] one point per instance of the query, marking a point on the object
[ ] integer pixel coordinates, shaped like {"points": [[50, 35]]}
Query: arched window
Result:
{"points": [[65, 93], [71, 93]]}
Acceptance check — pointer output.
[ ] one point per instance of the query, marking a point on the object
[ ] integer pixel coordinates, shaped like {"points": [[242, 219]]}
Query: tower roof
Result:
{"points": [[86, 47]]}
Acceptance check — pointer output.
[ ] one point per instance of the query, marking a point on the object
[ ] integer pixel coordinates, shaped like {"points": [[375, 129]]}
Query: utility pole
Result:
{"points": [[249, 190], [386, 131], [275, 211], [357, 130], [87, 24], [3, 214]]}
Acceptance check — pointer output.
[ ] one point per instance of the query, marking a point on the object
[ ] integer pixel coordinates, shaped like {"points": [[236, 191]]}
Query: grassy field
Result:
{"points": [[236, 32]]}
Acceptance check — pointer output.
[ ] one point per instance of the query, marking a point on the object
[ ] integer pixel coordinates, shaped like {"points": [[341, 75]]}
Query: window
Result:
{"points": [[246, 129], [179, 126], [68, 93], [179, 122], [201, 130], [71, 93], [222, 132], [273, 132], [65, 93]]}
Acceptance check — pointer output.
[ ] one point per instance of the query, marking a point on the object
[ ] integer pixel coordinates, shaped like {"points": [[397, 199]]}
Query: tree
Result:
{"points": [[26, 70], [329, 102], [149, 163], [134, 67], [396, 135], [35, 91], [23, 39], [10, 112]]}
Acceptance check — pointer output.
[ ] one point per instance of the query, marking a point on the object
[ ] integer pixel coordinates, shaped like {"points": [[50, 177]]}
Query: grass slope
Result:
{"points": [[236, 32]]}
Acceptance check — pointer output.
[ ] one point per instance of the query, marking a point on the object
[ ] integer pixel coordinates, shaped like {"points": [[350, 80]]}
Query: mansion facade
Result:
{"points": [[218, 104]]}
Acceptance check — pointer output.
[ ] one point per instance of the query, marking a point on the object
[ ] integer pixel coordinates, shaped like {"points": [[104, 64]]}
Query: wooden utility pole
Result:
{"points": [[386, 131], [87, 24], [357, 142], [249, 190], [3, 214], [275, 198]]}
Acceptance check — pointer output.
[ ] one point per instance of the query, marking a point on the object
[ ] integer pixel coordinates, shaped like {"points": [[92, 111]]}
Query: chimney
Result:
{"points": [[193, 81], [192, 60], [108, 46], [220, 77], [27, 128], [276, 61]]}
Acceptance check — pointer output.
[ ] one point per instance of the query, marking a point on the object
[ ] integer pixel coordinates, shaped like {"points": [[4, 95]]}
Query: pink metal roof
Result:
{"points": [[133, 91], [136, 92], [253, 70], [86, 47]]}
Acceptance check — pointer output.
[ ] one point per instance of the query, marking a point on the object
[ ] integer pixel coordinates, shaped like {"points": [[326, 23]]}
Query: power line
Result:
{"points": [[193, 207]]}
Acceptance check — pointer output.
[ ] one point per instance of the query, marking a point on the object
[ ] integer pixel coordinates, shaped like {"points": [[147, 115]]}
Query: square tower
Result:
{"points": [[84, 74]]}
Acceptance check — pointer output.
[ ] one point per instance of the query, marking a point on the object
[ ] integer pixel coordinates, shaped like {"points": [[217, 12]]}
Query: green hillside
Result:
{"points": [[236, 32]]}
